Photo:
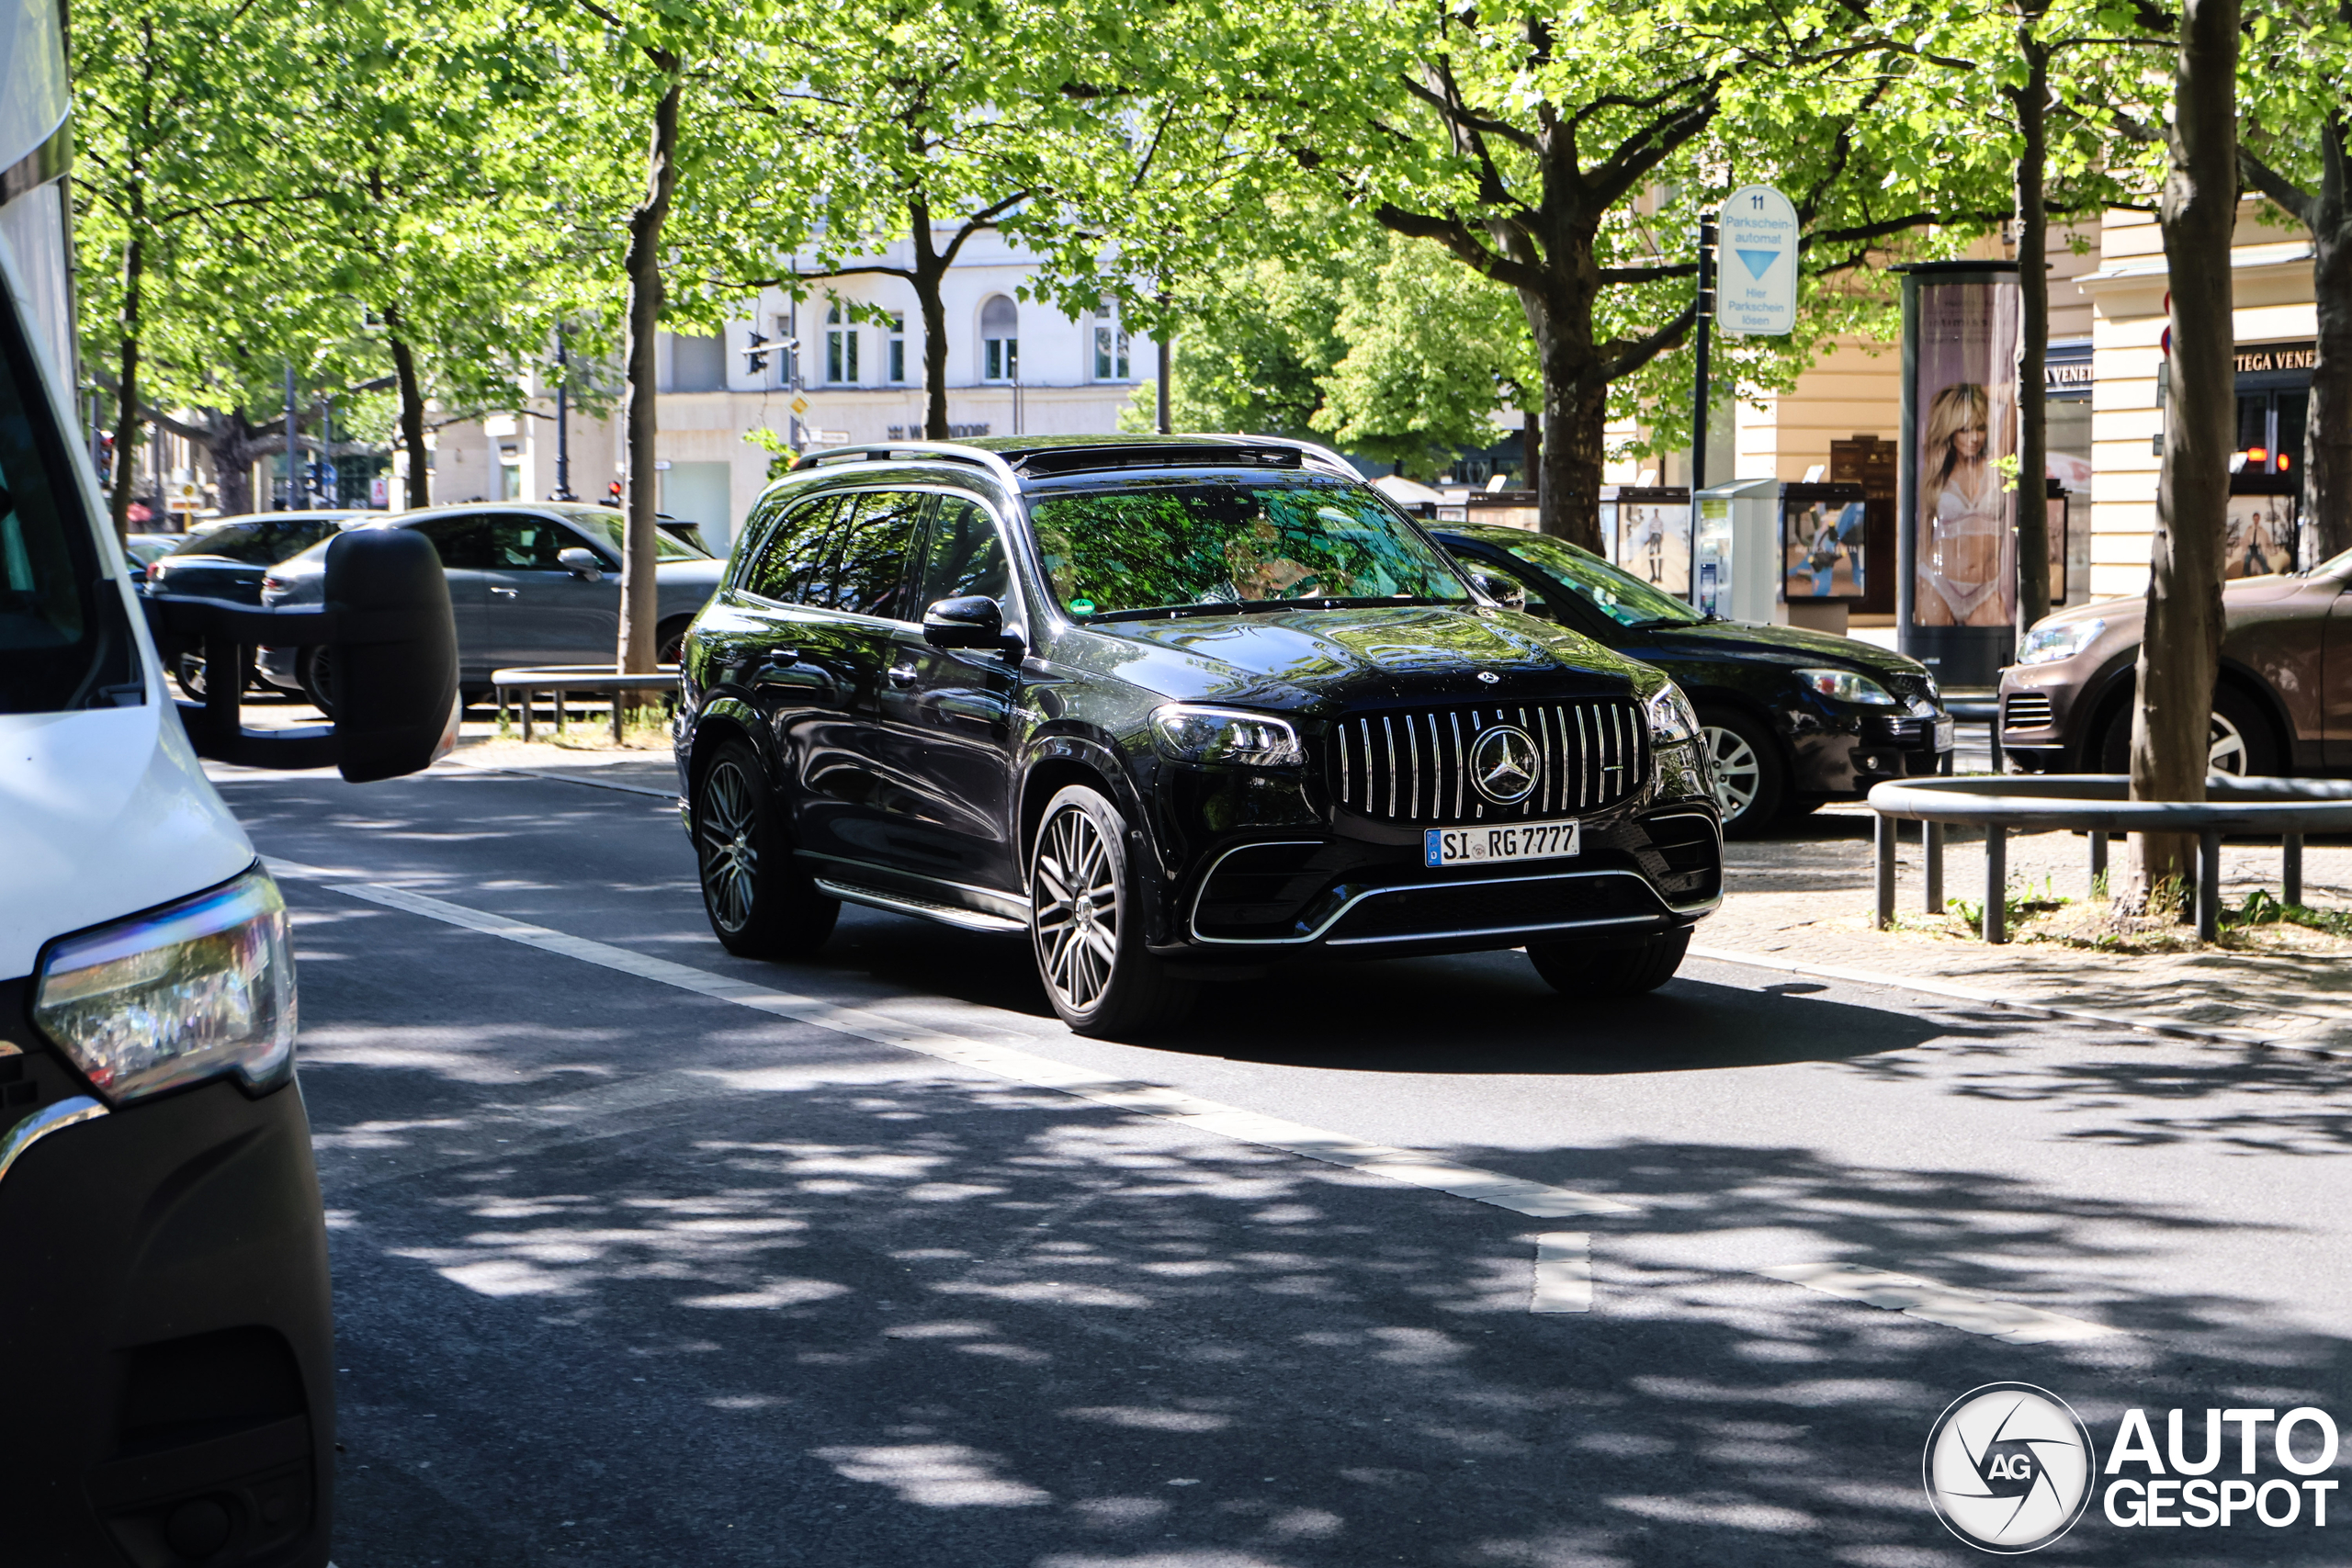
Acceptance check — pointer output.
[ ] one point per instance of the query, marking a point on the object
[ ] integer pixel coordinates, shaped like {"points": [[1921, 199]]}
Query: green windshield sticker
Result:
{"points": [[1082, 606]]}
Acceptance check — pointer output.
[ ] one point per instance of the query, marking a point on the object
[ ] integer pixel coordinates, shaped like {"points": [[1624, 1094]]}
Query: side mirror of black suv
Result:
{"points": [[973, 620]]}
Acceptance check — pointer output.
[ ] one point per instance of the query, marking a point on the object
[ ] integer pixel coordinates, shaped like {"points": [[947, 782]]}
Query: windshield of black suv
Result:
{"points": [[259, 541], [603, 523], [1619, 596], [1187, 542]]}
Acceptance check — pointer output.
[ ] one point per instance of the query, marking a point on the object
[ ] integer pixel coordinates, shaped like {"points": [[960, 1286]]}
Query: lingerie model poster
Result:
{"points": [[1965, 562]]}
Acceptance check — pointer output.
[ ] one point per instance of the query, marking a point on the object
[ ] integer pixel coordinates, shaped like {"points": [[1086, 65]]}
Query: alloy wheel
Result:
{"points": [[1738, 773], [1075, 894], [723, 830], [2226, 754]]}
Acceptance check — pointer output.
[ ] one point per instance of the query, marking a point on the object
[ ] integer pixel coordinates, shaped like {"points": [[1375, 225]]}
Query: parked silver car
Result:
{"points": [[532, 582]]}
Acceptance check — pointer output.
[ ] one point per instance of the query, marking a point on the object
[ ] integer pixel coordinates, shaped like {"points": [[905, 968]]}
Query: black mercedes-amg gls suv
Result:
{"points": [[1176, 708]]}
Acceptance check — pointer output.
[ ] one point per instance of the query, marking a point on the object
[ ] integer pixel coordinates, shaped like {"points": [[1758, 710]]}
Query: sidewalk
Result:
{"points": [[1805, 899]]}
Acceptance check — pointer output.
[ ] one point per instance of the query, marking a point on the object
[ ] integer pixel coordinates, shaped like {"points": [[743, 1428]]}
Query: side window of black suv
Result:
{"points": [[792, 562], [843, 552], [962, 556]]}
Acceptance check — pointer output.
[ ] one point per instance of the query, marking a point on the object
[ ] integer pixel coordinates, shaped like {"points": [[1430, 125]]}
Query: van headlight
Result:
{"points": [[1186, 733], [189, 991], [1671, 719]]}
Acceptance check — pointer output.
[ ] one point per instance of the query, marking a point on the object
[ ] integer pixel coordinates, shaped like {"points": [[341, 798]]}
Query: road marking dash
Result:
{"points": [[1932, 1302], [1563, 1272]]}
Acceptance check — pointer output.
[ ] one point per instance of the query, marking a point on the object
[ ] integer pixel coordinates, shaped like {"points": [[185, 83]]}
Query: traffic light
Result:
{"points": [[755, 358], [612, 491]]}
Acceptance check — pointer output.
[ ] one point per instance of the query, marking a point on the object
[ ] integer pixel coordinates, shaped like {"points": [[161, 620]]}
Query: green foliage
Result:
{"points": [[2262, 908]]}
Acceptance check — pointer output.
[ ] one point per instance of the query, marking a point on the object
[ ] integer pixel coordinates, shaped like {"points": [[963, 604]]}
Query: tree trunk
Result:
{"points": [[1575, 419], [2032, 102], [929, 270], [2327, 432], [640, 601], [126, 421], [2181, 649], [1530, 448], [420, 478], [231, 443]]}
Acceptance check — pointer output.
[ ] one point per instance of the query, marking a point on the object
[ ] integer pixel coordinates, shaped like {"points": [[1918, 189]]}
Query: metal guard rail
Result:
{"points": [[2099, 804], [557, 679]]}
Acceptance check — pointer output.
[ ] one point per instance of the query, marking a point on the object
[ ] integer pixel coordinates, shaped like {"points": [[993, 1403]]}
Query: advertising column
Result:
{"points": [[1956, 525]]}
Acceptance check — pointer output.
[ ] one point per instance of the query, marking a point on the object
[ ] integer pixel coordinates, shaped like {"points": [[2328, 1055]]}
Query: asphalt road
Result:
{"points": [[645, 1255]]}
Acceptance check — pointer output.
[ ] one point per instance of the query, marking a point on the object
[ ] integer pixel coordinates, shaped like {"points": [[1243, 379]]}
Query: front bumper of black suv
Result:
{"points": [[1266, 868]]}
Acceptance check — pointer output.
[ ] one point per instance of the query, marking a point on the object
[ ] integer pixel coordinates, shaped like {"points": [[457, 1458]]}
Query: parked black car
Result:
{"points": [[1177, 707], [1793, 718]]}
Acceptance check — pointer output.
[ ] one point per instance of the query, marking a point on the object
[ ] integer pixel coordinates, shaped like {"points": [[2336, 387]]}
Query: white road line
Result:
{"points": [[1412, 1169], [1563, 1272], [1932, 1302], [1563, 1267]]}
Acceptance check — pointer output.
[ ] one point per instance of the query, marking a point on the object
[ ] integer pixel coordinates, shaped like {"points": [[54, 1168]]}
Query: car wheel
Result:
{"points": [[1589, 969], [760, 904], [188, 672], [2240, 746], [1086, 923], [670, 639], [1744, 761], [315, 670]]}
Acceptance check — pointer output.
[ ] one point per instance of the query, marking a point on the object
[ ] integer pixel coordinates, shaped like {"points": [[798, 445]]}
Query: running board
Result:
{"points": [[922, 908]]}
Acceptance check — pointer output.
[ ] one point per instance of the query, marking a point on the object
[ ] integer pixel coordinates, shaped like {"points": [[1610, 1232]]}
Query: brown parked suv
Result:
{"points": [[2283, 704]]}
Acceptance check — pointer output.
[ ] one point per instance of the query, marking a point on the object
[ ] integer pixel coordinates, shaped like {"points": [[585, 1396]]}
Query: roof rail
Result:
{"points": [[1155, 455], [907, 451]]}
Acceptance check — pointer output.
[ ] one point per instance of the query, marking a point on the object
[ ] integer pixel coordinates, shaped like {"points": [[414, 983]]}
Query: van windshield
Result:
{"points": [[65, 643]]}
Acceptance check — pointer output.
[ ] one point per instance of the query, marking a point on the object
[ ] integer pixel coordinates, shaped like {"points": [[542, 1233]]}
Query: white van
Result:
{"points": [[164, 1296]]}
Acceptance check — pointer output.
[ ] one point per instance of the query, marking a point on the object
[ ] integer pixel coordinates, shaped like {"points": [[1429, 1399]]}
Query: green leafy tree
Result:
{"points": [[2293, 149], [1567, 159]]}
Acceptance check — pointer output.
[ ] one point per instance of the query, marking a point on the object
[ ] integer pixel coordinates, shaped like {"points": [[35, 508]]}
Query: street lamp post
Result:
{"points": [[562, 417]]}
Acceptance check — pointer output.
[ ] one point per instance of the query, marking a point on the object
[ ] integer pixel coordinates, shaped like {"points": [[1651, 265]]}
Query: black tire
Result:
{"points": [[1086, 923], [1750, 777], [1587, 969], [759, 903], [314, 668], [187, 673], [2243, 742]]}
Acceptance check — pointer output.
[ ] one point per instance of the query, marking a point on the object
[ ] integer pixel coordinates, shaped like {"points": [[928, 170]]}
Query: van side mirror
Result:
{"points": [[388, 621], [395, 653], [582, 562], [973, 620]]}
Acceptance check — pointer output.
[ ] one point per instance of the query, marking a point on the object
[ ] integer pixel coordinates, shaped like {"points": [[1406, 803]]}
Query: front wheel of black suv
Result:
{"points": [[1620, 969], [760, 904], [1086, 923]]}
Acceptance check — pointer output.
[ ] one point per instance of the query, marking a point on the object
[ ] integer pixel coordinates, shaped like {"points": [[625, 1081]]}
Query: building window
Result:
{"points": [[897, 346], [1110, 344], [999, 340], [697, 361], [841, 348]]}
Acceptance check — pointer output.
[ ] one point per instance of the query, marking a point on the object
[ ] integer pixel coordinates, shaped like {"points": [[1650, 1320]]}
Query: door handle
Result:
{"points": [[506, 593], [902, 674], [775, 659]]}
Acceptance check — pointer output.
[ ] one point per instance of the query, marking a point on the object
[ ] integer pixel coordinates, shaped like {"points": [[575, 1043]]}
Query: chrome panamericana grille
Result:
{"points": [[1414, 766]]}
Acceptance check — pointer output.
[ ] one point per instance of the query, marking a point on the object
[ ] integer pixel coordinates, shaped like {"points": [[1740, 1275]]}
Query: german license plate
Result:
{"points": [[1943, 732], [1489, 846]]}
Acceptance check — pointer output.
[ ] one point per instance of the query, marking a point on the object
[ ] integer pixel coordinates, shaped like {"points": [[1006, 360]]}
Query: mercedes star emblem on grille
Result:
{"points": [[1488, 678], [1504, 764]]}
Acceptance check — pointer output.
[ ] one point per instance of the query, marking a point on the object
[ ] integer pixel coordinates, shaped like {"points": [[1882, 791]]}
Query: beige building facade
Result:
{"points": [[842, 367]]}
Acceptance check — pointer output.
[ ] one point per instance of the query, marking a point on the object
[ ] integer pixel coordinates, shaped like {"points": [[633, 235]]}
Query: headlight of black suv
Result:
{"points": [[1184, 732], [189, 991], [1671, 718]]}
